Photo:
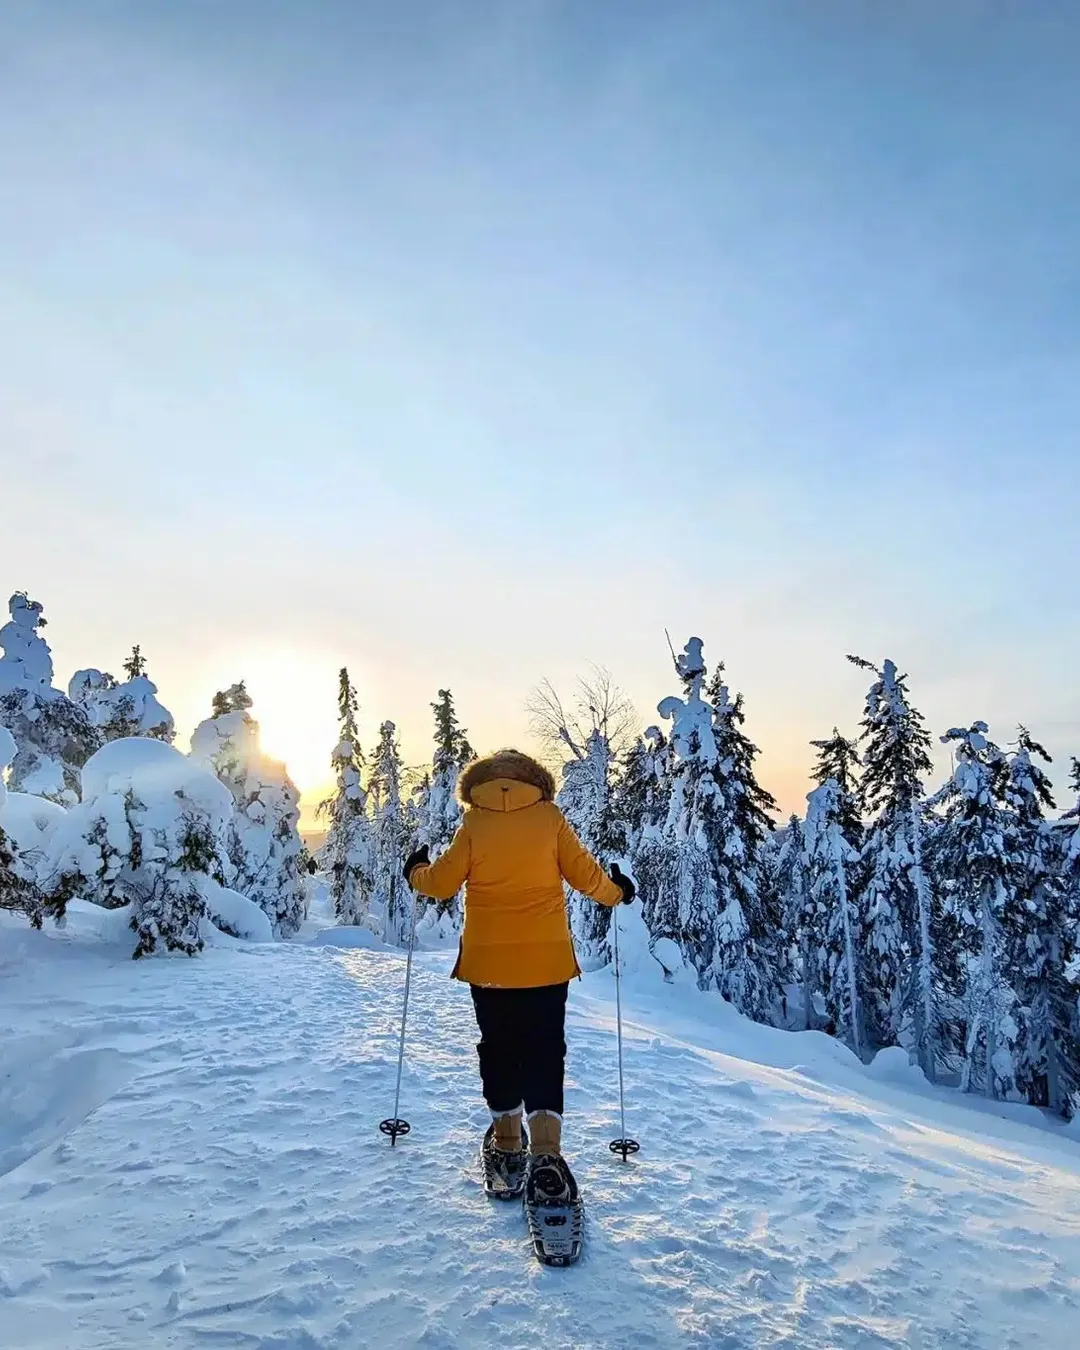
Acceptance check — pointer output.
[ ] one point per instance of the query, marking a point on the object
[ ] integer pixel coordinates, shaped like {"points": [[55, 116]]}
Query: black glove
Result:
{"points": [[417, 858], [629, 890]]}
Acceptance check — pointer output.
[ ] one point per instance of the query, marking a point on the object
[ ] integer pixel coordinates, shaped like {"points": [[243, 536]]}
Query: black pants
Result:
{"points": [[522, 1046]]}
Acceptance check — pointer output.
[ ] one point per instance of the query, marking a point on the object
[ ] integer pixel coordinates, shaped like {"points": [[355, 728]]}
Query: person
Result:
{"points": [[512, 853]]}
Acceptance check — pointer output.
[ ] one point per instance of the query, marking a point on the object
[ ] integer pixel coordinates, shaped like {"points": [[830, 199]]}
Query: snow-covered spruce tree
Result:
{"points": [[1067, 838], [639, 790], [973, 854], [151, 833], [391, 901], [786, 873], [585, 799], [838, 759], [898, 905], [438, 809], [640, 803], [685, 905], [709, 897], [829, 860], [347, 852], [739, 823], [264, 839], [1041, 937], [52, 734]]}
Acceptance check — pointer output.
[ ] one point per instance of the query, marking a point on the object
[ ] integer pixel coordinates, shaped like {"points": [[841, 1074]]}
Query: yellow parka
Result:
{"points": [[512, 853]]}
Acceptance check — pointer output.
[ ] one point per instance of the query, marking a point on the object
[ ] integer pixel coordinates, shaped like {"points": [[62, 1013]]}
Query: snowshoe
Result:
{"points": [[504, 1173], [554, 1211]]}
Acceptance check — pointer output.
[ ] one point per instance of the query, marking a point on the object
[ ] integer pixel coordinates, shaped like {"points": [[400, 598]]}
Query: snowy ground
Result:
{"points": [[189, 1156]]}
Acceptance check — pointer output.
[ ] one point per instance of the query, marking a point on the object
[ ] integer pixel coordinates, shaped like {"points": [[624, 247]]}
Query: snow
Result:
{"points": [[235, 913], [349, 937], [150, 831], [264, 844], [133, 703], [27, 660], [7, 749], [190, 1156], [143, 765], [29, 821]]}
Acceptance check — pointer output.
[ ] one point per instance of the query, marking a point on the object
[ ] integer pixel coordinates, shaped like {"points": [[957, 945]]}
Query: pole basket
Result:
{"points": [[394, 1128], [626, 1147]]}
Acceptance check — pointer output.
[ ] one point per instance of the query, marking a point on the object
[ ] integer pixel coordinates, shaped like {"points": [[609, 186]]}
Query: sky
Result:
{"points": [[469, 343]]}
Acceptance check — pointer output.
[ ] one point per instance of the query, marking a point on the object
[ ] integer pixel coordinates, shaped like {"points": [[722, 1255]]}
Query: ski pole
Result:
{"points": [[621, 1145], [395, 1125]]}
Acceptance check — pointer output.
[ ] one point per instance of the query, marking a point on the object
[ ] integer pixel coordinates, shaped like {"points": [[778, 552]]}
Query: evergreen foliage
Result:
{"points": [[392, 901], [947, 924], [899, 959], [53, 735], [347, 853], [837, 931], [263, 849]]}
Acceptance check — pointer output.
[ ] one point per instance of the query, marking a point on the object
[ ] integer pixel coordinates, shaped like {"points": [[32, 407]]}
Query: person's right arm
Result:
{"points": [[442, 879]]}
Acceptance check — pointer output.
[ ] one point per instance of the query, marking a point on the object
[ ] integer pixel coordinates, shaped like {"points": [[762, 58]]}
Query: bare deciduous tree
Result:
{"points": [[598, 705]]}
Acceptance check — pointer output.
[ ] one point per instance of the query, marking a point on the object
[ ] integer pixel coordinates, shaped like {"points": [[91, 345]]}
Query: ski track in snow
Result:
{"points": [[192, 1159]]}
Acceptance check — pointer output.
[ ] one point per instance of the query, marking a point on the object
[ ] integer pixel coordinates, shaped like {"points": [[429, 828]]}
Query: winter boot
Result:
{"points": [[546, 1129], [507, 1129], [505, 1168]]}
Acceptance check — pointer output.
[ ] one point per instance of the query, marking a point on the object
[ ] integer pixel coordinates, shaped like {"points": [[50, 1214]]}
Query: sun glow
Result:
{"points": [[294, 704]]}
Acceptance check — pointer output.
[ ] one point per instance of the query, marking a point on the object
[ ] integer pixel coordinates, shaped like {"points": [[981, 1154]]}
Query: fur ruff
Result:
{"points": [[510, 764]]}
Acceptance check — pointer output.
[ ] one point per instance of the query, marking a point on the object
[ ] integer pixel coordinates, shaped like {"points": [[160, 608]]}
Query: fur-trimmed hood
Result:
{"points": [[510, 765]]}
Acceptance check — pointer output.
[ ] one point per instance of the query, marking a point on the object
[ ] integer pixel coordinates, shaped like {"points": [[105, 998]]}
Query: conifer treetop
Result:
{"points": [[135, 665], [234, 699], [896, 755], [1028, 789], [452, 748]]}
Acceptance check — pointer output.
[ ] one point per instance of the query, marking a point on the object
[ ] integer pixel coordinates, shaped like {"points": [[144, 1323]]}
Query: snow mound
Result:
{"points": [[892, 1065], [235, 914], [151, 768], [28, 820], [666, 951], [91, 923]]}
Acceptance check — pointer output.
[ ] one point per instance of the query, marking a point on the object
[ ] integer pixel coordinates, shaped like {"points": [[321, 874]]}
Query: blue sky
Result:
{"points": [[470, 343]]}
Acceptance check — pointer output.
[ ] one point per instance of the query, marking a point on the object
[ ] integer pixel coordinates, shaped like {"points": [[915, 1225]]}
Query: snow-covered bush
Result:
{"points": [[150, 832], [20, 890], [117, 710], [264, 845], [53, 735]]}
